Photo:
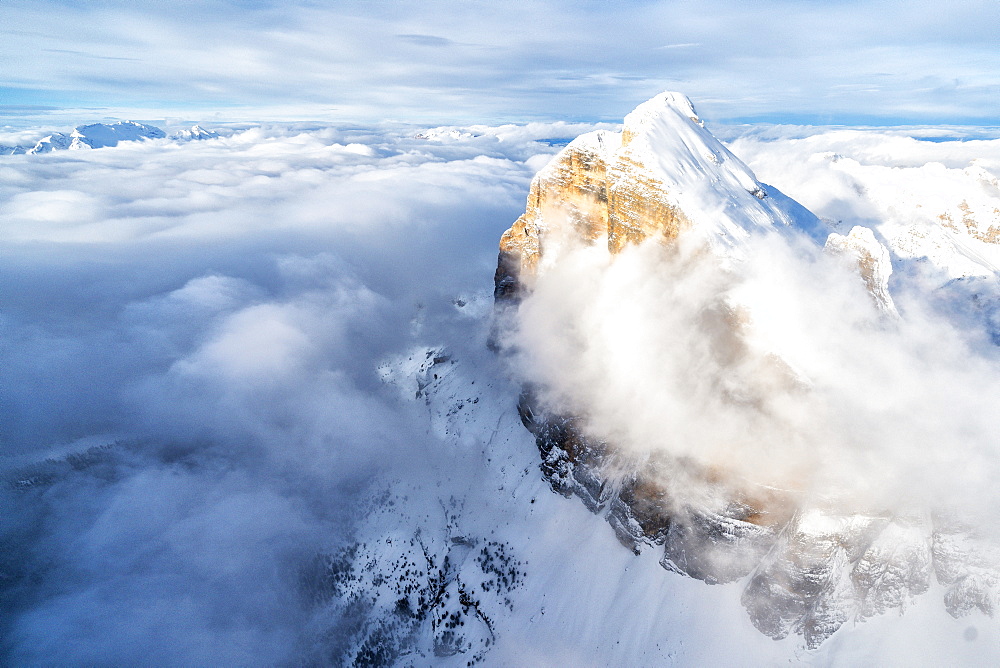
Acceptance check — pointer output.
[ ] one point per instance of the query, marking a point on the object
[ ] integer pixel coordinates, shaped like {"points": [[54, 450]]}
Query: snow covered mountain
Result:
{"points": [[97, 135], [720, 430], [807, 565], [102, 135], [194, 133], [663, 174]]}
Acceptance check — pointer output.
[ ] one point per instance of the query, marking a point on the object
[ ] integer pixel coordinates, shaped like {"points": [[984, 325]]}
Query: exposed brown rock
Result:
{"points": [[590, 193], [872, 260], [971, 226], [638, 207], [571, 193]]}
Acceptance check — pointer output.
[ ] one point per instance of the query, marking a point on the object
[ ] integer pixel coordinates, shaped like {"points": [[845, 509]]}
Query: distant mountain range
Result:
{"points": [[103, 135]]}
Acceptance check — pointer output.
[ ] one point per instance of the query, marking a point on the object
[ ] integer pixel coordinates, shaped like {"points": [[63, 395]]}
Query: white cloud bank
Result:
{"points": [[196, 327]]}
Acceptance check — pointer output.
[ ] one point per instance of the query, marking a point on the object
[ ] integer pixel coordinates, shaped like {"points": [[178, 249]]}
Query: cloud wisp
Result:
{"points": [[779, 372]]}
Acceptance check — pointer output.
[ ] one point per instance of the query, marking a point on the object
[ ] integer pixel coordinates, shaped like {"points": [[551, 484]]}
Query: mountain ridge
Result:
{"points": [[105, 135]]}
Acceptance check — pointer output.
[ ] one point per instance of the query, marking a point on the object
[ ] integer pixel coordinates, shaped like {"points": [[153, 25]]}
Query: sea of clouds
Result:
{"points": [[189, 336]]}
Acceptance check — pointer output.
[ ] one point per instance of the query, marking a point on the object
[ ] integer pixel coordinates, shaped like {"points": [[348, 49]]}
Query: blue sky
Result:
{"points": [[474, 61]]}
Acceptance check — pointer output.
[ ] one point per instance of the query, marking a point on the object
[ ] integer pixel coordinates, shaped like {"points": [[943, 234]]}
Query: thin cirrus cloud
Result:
{"points": [[829, 62]]}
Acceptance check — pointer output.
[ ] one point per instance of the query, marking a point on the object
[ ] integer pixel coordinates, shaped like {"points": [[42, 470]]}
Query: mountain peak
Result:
{"points": [[665, 105], [656, 384], [194, 133], [664, 173]]}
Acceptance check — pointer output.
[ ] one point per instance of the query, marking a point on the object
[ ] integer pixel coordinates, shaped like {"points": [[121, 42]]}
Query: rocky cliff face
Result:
{"points": [[806, 568], [651, 181]]}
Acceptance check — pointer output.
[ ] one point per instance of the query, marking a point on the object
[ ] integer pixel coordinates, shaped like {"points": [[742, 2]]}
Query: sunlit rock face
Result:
{"points": [[568, 198], [806, 566], [647, 182]]}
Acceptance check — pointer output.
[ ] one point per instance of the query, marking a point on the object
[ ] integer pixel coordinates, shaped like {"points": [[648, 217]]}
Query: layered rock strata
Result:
{"points": [[647, 182]]}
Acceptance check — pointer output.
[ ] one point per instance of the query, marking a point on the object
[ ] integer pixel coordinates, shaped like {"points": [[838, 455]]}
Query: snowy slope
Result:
{"points": [[667, 141], [479, 562]]}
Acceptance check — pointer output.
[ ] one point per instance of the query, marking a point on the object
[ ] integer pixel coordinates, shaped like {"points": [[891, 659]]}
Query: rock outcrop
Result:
{"points": [[805, 571], [872, 261]]}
